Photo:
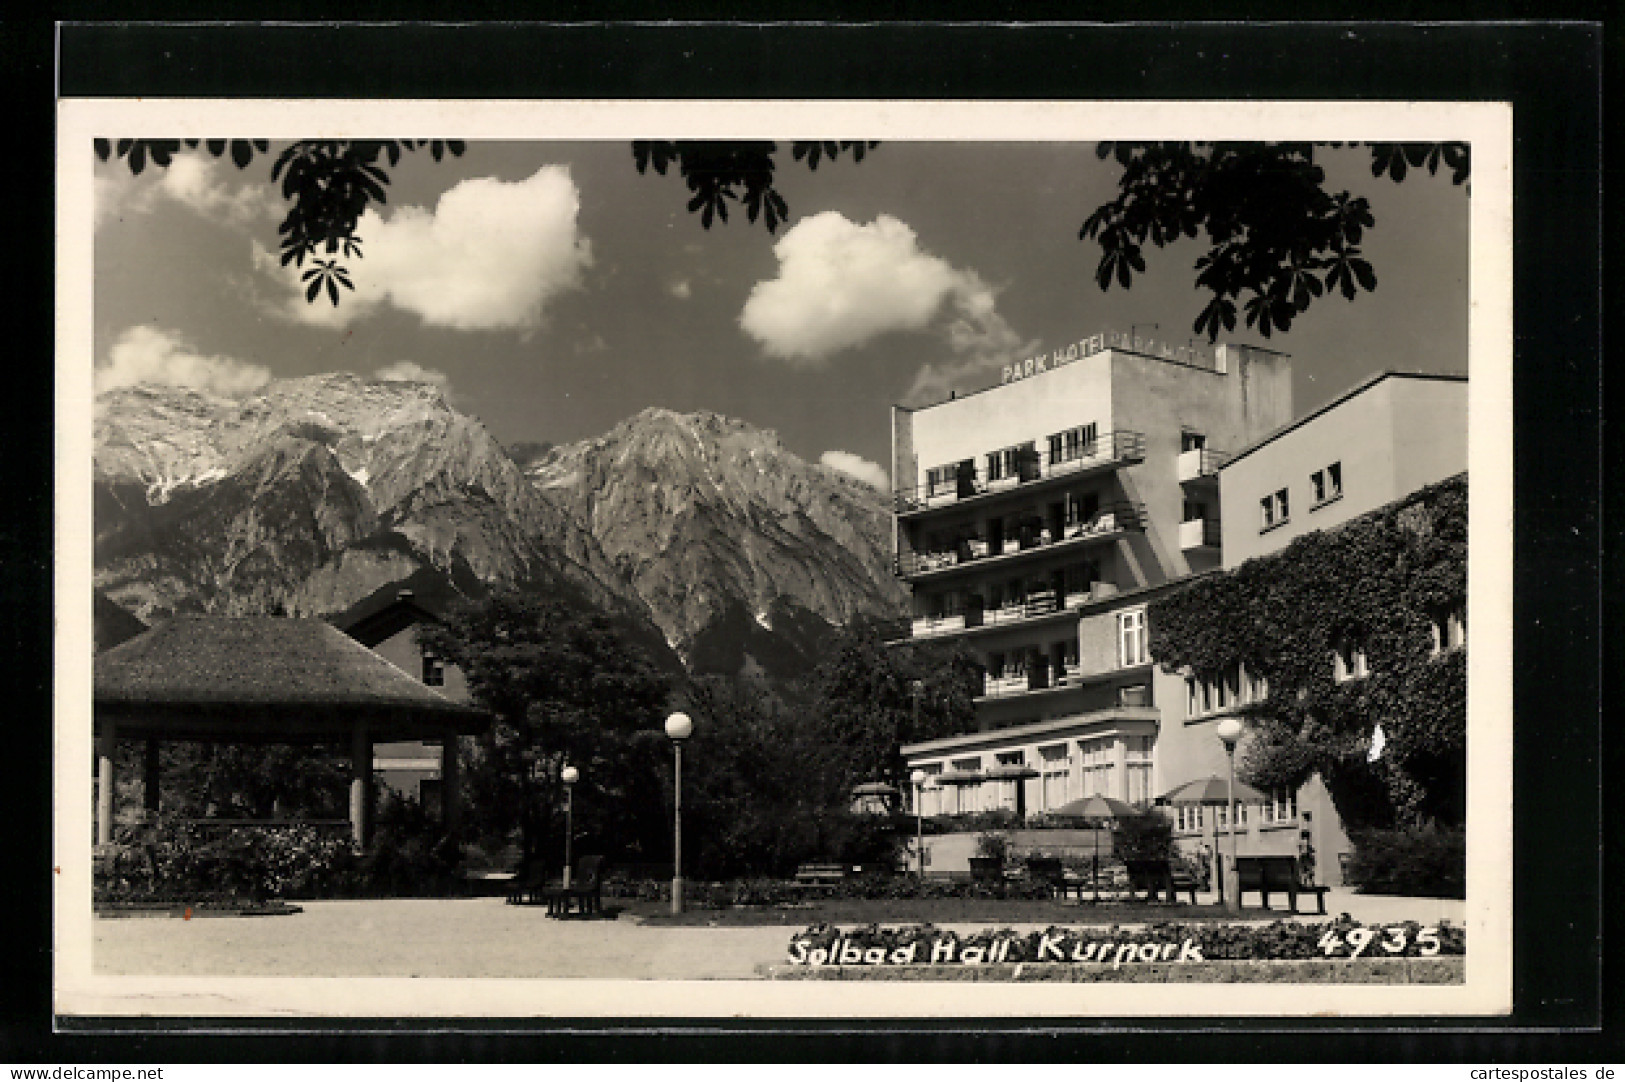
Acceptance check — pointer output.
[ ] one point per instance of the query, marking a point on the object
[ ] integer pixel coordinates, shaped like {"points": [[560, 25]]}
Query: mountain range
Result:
{"points": [[702, 534]]}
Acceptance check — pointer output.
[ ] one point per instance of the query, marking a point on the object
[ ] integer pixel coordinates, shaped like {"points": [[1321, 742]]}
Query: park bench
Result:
{"points": [[584, 896], [1159, 880], [814, 876], [1050, 871], [1275, 875]]}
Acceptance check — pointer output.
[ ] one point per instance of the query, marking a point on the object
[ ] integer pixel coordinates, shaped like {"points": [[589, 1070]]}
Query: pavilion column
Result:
{"points": [[106, 751], [360, 783], [150, 778], [450, 785]]}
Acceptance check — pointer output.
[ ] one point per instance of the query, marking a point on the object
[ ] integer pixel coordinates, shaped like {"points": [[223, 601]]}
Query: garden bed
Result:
{"points": [[189, 911], [1291, 971], [931, 910]]}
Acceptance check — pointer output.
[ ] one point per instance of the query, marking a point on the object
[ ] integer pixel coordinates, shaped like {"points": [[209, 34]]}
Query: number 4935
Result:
{"points": [[1390, 940]]}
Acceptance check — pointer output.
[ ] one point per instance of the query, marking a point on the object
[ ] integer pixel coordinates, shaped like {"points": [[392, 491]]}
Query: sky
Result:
{"points": [[554, 291]]}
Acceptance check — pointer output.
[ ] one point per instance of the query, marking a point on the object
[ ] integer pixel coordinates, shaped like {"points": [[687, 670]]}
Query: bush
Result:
{"points": [[1143, 837], [166, 859], [1420, 863], [177, 860], [993, 845]]}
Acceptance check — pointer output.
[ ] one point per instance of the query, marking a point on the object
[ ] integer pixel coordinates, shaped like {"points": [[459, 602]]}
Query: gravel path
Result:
{"points": [[427, 938]]}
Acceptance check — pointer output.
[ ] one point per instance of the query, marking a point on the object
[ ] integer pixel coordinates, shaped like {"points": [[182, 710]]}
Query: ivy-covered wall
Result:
{"points": [[1378, 582]]}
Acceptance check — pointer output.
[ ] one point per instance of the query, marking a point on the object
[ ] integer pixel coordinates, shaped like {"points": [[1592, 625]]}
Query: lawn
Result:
{"points": [[993, 912]]}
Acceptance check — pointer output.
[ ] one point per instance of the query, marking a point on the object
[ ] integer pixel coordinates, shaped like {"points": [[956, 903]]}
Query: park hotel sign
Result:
{"points": [[1086, 347]]}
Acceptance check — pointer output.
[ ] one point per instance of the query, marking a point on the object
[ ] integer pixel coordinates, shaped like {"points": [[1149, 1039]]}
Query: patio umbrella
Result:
{"points": [[875, 790], [1097, 808], [1212, 791]]}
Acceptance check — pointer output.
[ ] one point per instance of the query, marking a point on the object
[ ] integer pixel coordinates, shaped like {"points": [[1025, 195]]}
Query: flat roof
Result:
{"points": [[955, 396], [1358, 389]]}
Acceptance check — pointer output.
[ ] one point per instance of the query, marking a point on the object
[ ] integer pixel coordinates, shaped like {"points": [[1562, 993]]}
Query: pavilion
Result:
{"points": [[266, 680]]}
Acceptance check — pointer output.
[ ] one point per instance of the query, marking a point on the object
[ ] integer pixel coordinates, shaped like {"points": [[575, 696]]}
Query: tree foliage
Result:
{"points": [[328, 183], [721, 172], [874, 698], [1274, 232], [565, 686], [1380, 581]]}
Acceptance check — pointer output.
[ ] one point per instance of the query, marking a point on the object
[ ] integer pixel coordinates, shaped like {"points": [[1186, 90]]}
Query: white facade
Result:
{"points": [[1034, 521]]}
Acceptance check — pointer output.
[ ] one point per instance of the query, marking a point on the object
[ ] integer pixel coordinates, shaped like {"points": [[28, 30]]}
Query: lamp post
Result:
{"points": [[1229, 731], [569, 776], [679, 727], [918, 778]]}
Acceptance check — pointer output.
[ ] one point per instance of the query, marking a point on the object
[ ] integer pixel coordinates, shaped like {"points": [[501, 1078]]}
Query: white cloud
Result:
{"points": [[411, 372], [194, 180], [152, 355], [841, 284], [489, 256], [870, 473]]}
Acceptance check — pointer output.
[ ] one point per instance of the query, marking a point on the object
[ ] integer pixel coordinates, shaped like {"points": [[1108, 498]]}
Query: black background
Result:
{"points": [[1553, 73]]}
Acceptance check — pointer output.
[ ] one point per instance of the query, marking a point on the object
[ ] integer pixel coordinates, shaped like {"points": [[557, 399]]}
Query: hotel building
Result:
{"points": [[1035, 520], [1379, 442]]}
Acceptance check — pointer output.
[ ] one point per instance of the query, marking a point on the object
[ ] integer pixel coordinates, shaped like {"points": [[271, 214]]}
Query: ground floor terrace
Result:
{"points": [[1026, 773]]}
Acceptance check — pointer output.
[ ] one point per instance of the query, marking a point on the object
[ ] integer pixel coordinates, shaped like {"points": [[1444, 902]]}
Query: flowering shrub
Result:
{"points": [[183, 860], [924, 944]]}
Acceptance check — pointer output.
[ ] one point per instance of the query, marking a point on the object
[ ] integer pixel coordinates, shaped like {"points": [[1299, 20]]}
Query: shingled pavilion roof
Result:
{"points": [[266, 679]]}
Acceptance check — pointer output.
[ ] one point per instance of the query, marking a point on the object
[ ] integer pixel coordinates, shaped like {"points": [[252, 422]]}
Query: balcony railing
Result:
{"points": [[1113, 518], [1110, 449], [1006, 687], [1199, 533], [1200, 464], [1043, 603]]}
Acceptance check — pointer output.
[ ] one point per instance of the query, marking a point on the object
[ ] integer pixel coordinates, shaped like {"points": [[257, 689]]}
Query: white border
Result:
{"points": [[1487, 991]]}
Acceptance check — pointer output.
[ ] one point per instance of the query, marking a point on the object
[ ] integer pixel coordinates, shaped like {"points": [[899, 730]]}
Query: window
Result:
{"points": [[1055, 767], [1348, 662], [1235, 686], [1195, 511], [1327, 484], [1192, 441], [1282, 806], [1073, 444], [1082, 507], [1098, 762], [1188, 817], [1138, 765], [1018, 461], [941, 480], [1131, 639], [1449, 631], [1274, 509], [434, 669]]}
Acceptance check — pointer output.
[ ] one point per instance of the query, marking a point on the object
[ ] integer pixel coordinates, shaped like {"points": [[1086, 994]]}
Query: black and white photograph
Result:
{"points": [[783, 559]]}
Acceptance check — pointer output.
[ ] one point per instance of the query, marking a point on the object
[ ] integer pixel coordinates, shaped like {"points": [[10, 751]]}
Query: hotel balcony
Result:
{"points": [[1200, 465], [1199, 534], [1036, 607], [1113, 521], [1108, 451], [1042, 681]]}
